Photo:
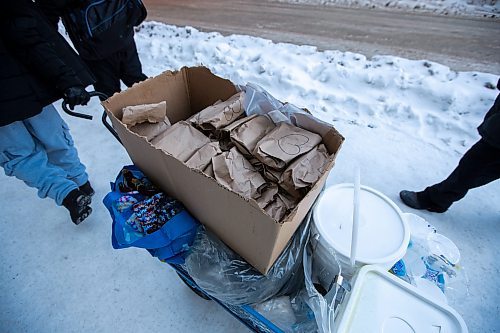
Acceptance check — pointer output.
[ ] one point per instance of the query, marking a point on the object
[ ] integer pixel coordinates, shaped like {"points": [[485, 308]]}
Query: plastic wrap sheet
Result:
{"points": [[322, 305], [258, 100], [291, 314], [226, 276]]}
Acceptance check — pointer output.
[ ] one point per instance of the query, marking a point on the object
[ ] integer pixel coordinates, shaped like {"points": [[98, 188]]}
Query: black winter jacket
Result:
{"points": [[490, 127], [55, 9], [37, 64]]}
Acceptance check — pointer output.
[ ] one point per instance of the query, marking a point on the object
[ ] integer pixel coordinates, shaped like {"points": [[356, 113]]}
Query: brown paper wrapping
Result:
{"points": [[151, 131], [209, 170], [152, 113], [181, 140], [271, 174], [248, 134], [221, 114], [267, 195], [279, 208], [284, 143], [305, 171], [232, 170], [203, 156]]}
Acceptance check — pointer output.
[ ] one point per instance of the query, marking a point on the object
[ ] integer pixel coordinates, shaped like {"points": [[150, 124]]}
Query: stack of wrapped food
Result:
{"points": [[273, 162]]}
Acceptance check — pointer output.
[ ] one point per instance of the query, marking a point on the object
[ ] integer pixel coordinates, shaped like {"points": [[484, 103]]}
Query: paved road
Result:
{"points": [[465, 44]]}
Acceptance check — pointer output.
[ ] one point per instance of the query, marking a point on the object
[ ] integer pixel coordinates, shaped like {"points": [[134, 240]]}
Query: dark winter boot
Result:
{"points": [[416, 200], [87, 189], [78, 203]]}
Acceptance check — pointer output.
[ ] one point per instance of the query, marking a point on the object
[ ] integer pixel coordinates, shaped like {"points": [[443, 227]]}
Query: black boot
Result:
{"points": [[87, 189], [417, 200], [77, 203]]}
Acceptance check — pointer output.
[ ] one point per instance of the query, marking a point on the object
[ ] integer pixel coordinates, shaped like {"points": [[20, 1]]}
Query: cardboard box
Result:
{"points": [[237, 221]]}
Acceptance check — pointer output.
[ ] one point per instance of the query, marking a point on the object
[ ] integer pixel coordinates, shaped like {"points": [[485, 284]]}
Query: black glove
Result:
{"points": [[76, 96]]}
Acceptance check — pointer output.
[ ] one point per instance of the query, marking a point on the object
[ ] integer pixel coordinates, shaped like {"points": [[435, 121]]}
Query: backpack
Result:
{"points": [[98, 28]]}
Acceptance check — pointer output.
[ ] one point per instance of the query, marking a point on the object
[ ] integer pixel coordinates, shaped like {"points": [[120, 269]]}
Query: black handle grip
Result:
{"points": [[109, 127], [82, 115]]}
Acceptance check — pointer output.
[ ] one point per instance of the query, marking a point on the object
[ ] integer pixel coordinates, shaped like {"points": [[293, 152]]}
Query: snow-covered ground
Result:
{"points": [[479, 8], [406, 124]]}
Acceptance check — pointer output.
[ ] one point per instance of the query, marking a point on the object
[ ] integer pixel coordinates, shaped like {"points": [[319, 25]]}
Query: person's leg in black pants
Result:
{"points": [[122, 65], [479, 166], [107, 74], [130, 65]]}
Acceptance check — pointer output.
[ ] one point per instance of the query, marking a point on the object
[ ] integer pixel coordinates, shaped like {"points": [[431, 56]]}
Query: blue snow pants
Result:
{"points": [[40, 151]]}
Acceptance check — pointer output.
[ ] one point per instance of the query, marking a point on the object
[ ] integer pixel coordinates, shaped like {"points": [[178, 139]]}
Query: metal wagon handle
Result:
{"points": [[89, 117], [82, 115], [110, 127]]}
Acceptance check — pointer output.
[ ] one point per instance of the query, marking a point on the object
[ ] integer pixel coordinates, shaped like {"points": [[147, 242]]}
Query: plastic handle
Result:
{"points": [[82, 115], [355, 216]]}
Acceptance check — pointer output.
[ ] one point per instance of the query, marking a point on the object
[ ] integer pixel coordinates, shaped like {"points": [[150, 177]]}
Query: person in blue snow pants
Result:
{"points": [[40, 151], [37, 68]]}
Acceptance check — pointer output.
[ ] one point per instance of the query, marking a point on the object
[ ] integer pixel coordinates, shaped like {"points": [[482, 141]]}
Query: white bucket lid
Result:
{"points": [[381, 302], [383, 233]]}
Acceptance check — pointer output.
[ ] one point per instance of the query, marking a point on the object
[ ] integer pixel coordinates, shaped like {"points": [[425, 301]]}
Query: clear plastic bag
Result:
{"points": [[259, 101], [226, 276], [432, 262], [279, 311], [322, 306], [305, 321], [290, 313]]}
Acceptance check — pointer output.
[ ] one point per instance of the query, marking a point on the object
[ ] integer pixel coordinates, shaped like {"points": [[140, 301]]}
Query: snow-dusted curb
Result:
{"points": [[474, 8]]}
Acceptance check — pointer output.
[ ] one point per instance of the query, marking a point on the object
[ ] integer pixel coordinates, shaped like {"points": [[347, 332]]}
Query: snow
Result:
{"points": [[478, 8], [406, 124]]}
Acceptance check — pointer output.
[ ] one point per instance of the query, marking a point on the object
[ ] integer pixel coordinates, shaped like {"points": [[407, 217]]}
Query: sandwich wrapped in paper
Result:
{"points": [[149, 130], [267, 195], [151, 113], [233, 170], [181, 140], [220, 114], [203, 156], [283, 144], [304, 172], [279, 208], [249, 132]]}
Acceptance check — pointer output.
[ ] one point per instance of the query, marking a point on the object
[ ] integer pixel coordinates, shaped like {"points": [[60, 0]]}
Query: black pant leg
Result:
{"points": [[107, 74], [130, 65], [479, 166]]}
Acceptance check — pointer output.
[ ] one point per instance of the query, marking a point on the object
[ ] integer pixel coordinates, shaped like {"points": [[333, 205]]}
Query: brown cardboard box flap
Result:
{"points": [[331, 137], [205, 88]]}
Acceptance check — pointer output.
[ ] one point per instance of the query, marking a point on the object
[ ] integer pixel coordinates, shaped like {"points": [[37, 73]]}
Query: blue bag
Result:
{"points": [[168, 243]]}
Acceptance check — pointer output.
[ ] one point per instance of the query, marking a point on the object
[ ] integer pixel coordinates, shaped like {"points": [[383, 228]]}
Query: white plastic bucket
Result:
{"points": [[383, 233]]}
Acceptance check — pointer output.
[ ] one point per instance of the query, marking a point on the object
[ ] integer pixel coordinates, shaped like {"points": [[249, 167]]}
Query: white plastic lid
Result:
{"points": [[381, 302], [383, 234]]}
